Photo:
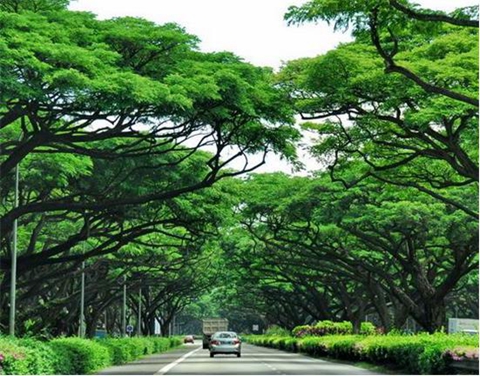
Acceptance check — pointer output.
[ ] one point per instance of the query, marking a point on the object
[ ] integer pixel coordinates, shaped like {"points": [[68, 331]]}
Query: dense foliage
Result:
{"points": [[402, 99], [325, 328], [74, 356], [108, 124], [419, 354], [389, 228], [127, 142]]}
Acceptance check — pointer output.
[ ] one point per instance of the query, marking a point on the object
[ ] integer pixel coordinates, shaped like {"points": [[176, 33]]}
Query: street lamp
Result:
{"points": [[13, 274], [139, 317], [124, 308], [82, 303]]}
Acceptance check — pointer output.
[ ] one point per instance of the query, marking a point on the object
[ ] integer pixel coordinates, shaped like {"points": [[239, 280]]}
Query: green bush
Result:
{"points": [[330, 327], [119, 349], [367, 328], [87, 356], [42, 358], [123, 350], [275, 330], [14, 358], [68, 356], [327, 327], [417, 354], [301, 330], [64, 364]]}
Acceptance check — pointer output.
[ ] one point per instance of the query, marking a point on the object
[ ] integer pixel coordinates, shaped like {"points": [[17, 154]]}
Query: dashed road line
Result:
{"points": [[168, 367], [273, 368]]}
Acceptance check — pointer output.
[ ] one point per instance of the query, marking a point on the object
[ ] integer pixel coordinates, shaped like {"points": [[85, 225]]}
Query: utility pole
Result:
{"points": [[139, 318], [106, 317], [13, 274], [81, 330], [124, 307]]}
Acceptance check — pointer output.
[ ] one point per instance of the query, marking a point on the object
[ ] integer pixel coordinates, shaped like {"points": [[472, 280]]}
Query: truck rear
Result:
{"points": [[210, 326]]}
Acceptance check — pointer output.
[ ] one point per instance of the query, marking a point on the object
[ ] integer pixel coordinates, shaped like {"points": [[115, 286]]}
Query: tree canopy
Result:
{"points": [[132, 150]]}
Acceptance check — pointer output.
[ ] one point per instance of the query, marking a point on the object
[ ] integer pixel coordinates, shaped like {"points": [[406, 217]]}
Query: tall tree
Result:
{"points": [[350, 242], [404, 94]]}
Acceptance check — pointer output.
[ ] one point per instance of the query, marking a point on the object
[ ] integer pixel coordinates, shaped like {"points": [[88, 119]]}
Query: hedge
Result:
{"points": [[416, 354], [74, 356], [327, 327]]}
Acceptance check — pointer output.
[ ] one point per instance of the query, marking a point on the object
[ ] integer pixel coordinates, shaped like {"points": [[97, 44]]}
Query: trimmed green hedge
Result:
{"points": [[417, 354], [327, 327], [75, 356]]}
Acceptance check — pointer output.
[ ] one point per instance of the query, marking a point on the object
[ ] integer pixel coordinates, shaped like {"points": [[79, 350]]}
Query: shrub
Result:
{"points": [[417, 354], [327, 327], [43, 360], [87, 356], [63, 364], [367, 328], [344, 327], [275, 330], [460, 353], [13, 358], [30, 356], [119, 349], [301, 331], [291, 344], [69, 356], [124, 350], [313, 346]]}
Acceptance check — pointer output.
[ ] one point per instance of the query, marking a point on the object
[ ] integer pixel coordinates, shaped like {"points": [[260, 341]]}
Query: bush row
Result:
{"points": [[323, 328], [74, 356], [416, 354]]}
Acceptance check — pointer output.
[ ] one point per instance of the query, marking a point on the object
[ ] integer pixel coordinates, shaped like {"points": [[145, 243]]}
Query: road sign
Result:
{"points": [[129, 328], [456, 325], [255, 328]]}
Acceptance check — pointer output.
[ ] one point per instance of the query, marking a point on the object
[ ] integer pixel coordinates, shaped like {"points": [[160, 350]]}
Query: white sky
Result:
{"points": [[252, 29]]}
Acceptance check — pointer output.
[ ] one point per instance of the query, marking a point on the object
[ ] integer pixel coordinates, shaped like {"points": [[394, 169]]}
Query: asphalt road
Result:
{"points": [[193, 360]]}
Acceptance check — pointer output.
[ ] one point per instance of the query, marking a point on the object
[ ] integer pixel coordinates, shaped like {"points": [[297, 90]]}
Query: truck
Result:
{"points": [[210, 326]]}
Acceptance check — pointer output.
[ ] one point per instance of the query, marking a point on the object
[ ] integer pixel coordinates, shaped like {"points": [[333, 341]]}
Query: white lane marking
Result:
{"points": [[168, 367], [273, 368]]}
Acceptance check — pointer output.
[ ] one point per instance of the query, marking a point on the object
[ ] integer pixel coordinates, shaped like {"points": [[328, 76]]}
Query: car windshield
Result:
{"points": [[225, 335]]}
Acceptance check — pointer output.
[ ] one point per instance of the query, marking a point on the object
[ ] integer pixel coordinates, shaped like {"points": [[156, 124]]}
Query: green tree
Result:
{"points": [[106, 121], [354, 241], [19, 6], [402, 98]]}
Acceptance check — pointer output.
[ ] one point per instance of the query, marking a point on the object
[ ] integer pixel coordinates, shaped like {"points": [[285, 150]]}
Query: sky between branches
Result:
{"points": [[252, 29]]}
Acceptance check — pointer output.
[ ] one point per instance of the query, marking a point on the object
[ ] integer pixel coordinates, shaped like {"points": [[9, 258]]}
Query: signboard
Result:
{"points": [[255, 328], [129, 328], [157, 327], [100, 333], [456, 325]]}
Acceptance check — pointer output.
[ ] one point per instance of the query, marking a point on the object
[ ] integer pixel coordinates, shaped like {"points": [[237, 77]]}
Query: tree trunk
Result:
{"points": [[400, 315], [379, 300], [432, 315]]}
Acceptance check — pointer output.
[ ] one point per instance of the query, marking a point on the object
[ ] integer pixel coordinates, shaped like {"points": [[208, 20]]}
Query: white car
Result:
{"points": [[225, 343]]}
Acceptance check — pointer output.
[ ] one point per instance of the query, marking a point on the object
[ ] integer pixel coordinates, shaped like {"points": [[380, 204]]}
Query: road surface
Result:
{"points": [[191, 359]]}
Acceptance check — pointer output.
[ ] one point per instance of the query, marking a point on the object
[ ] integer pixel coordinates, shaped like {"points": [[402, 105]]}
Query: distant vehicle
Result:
{"points": [[210, 326], [225, 343], [189, 339]]}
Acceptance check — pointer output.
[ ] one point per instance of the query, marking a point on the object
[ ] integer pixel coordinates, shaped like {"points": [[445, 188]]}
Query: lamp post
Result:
{"points": [[13, 274], [81, 331], [124, 307], [139, 317]]}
